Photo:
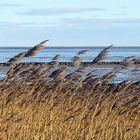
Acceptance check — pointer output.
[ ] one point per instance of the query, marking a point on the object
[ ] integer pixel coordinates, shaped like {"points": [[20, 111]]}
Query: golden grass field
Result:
{"points": [[44, 113], [40, 102]]}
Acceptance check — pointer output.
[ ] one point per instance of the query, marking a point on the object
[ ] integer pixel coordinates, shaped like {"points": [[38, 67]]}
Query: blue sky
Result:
{"points": [[70, 23]]}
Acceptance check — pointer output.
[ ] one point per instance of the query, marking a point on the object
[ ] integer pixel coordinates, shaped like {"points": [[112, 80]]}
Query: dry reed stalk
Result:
{"points": [[16, 59], [76, 75], [44, 110], [1, 66], [12, 64], [76, 61], [123, 86], [73, 116], [91, 77], [56, 57], [59, 73], [107, 76], [81, 70], [102, 55], [129, 61], [40, 73], [54, 62], [33, 51], [82, 52], [19, 71], [73, 76]]}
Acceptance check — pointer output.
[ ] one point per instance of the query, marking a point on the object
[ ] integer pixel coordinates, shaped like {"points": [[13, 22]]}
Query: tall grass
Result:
{"points": [[43, 103], [53, 112]]}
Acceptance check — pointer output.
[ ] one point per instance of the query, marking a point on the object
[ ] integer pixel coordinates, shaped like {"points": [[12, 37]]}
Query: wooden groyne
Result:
{"points": [[70, 63]]}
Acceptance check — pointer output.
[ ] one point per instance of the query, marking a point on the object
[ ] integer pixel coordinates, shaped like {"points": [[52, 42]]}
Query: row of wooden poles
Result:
{"points": [[83, 63]]}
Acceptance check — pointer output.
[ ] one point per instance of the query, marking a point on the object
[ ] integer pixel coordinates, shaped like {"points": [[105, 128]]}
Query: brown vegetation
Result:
{"points": [[42, 102]]}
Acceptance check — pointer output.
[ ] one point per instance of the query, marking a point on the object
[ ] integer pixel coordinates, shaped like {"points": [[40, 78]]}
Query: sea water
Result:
{"points": [[66, 53]]}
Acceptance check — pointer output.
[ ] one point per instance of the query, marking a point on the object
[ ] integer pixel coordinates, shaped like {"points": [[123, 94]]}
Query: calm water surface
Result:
{"points": [[115, 54]]}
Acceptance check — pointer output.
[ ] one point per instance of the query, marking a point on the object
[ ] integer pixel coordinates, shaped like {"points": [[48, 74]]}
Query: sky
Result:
{"points": [[70, 22]]}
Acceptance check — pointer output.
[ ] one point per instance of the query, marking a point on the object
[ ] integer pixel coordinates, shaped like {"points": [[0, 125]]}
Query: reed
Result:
{"points": [[82, 52], [38, 101], [76, 61], [102, 55], [16, 59], [45, 111], [33, 51], [55, 61], [58, 73], [129, 61]]}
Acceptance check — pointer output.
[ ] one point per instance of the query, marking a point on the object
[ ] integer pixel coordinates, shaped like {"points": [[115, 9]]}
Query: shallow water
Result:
{"points": [[115, 54]]}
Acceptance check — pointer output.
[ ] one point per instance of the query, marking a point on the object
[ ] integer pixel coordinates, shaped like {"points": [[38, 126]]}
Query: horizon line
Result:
{"points": [[63, 46]]}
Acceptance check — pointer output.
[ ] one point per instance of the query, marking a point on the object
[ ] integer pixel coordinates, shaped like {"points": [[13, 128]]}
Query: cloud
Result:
{"points": [[75, 23], [100, 21], [59, 11], [119, 14], [5, 5], [18, 25], [124, 7]]}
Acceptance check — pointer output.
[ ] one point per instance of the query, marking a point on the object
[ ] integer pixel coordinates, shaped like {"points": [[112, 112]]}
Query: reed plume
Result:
{"points": [[89, 107], [12, 64], [92, 72], [73, 76], [81, 70], [16, 59], [59, 73], [107, 76], [33, 51], [56, 57], [36, 74], [123, 86], [1, 66], [76, 61], [74, 79], [54, 62], [82, 52], [102, 55], [129, 61], [76, 75], [90, 75]]}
